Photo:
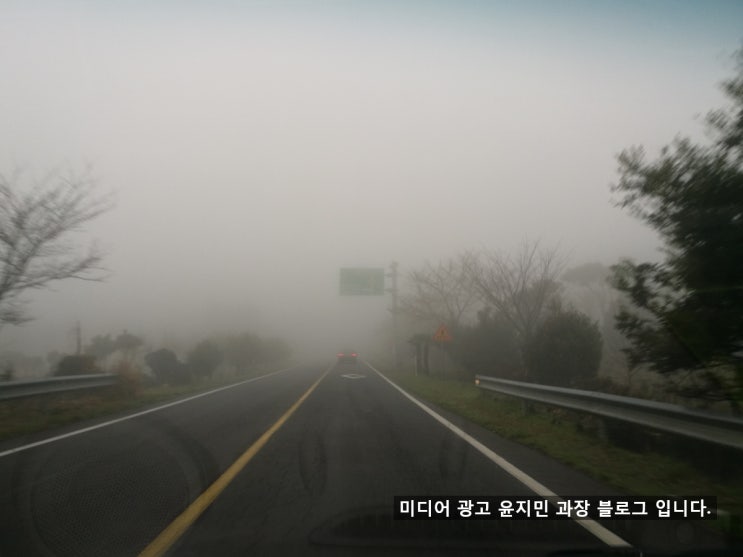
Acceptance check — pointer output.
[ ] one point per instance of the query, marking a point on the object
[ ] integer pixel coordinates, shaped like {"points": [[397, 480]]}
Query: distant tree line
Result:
{"points": [[236, 353], [95, 353], [505, 315]]}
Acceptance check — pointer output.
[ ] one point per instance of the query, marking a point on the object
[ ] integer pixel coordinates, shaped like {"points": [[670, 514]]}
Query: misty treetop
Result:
{"points": [[103, 346]]}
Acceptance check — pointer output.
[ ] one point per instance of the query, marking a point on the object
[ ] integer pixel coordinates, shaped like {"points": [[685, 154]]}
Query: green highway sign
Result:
{"points": [[362, 282]]}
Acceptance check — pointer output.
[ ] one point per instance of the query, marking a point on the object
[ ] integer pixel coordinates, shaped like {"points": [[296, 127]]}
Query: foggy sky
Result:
{"points": [[254, 148]]}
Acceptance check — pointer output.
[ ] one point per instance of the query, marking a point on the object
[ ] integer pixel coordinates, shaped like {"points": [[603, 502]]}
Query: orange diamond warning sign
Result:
{"points": [[442, 334]]}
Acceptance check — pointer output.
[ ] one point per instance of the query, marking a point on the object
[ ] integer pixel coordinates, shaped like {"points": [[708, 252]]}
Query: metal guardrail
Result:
{"points": [[721, 430], [17, 389]]}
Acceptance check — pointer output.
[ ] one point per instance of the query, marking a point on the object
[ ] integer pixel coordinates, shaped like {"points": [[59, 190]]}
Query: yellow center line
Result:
{"points": [[183, 522]]}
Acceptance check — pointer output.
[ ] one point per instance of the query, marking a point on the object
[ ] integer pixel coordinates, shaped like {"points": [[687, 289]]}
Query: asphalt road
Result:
{"points": [[316, 473]]}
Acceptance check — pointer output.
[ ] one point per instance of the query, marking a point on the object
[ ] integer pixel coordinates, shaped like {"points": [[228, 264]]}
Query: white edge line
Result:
{"points": [[602, 533], [130, 416]]}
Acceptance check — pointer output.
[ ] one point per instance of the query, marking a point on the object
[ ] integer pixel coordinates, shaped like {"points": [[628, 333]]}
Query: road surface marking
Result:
{"points": [[130, 416], [172, 533], [353, 376], [605, 535]]}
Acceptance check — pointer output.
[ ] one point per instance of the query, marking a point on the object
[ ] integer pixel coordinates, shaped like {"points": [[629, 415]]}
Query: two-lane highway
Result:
{"points": [[325, 486], [305, 461]]}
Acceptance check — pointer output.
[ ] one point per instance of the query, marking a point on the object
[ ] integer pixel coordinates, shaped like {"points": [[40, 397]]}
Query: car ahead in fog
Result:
{"points": [[347, 357]]}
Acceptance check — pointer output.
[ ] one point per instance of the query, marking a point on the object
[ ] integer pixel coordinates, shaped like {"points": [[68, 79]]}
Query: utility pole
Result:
{"points": [[393, 275], [78, 339]]}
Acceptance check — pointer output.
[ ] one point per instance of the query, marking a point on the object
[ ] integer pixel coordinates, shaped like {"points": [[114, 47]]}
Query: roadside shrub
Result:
{"points": [[129, 376], [204, 358], [167, 368], [565, 350], [77, 364], [489, 348]]}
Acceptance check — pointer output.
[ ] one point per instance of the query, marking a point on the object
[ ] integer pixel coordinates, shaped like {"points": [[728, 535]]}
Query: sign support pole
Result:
{"points": [[393, 275]]}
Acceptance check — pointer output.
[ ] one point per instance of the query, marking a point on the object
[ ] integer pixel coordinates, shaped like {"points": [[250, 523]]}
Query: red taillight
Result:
{"points": [[339, 354], [354, 354]]}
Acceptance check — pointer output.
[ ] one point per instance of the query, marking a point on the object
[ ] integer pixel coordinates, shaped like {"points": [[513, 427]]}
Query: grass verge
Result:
{"points": [[638, 473]]}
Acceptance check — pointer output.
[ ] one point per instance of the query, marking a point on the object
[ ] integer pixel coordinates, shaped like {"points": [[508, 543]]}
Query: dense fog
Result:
{"points": [[253, 149]]}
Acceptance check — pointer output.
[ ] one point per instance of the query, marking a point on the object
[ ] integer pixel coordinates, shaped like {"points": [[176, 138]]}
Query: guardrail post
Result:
{"points": [[602, 431]]}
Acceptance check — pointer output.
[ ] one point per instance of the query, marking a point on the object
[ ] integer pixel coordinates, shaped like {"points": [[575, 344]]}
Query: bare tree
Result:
{"points": [[441, 293], [519, 288], [36, 225]]}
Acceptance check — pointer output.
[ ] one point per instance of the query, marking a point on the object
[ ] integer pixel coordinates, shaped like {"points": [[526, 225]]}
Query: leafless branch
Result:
{"points": [[36, 223], [521, 288], [440, 293]]}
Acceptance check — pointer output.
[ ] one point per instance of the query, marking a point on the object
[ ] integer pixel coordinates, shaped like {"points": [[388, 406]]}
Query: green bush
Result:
{"points": [[489, 348], [204, 358], [167, 368], [129, 379], [78, 364], [565, 350]]}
